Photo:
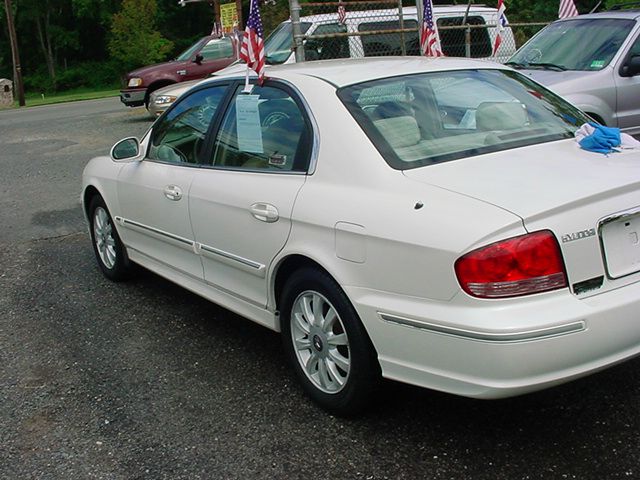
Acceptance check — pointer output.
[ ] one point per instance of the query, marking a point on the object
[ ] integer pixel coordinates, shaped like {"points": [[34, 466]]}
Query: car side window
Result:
{"points": [[634, 51], [453, 41], [178, 137], [391, 43], [265, 130], [217, 48], [331, 47]]}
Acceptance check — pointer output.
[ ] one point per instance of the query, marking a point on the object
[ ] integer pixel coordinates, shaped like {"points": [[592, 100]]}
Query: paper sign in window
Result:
{"points": [[248, 124]]}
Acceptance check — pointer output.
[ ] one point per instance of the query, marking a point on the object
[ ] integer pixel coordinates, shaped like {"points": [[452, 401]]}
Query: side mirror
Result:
{"points": [[198, 59], [631, 67], [125, 149]]}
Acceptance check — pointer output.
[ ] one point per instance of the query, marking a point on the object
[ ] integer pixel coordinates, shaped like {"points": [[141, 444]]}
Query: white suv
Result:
{"points": [[278, 44]]}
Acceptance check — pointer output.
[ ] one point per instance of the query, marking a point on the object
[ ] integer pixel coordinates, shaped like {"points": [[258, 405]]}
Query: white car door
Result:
{"points": [[241, 206], [153, 193]]}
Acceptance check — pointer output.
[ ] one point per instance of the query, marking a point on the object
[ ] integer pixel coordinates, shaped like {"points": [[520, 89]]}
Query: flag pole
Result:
{"points": [[246, 73], [246, 81]]}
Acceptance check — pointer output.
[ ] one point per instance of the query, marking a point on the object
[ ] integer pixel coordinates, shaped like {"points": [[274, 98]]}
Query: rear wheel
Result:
{"points": [[107, 246], [327, 344]]}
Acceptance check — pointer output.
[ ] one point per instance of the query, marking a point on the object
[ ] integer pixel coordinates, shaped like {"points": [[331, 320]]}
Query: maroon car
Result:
{"points": [[207, 55]]}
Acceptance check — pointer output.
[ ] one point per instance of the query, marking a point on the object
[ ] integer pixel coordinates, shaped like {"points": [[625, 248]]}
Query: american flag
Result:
{"points": [[567, 9], [252, 50], [429, 38], [342, 14], [502, 22]]}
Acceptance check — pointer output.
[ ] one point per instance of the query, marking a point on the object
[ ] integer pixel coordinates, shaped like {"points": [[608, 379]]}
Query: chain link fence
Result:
{"points": [[384, 27]]}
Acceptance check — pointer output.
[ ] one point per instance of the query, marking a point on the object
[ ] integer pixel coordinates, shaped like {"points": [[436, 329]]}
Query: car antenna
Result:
{"points": [[596, 7]]}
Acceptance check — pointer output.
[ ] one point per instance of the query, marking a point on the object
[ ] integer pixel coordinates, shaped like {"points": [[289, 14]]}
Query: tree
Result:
{"points": [[134, 38]]}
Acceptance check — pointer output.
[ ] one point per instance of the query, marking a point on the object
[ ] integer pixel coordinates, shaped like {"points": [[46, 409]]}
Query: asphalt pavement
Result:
{"points": [[144, 380]]}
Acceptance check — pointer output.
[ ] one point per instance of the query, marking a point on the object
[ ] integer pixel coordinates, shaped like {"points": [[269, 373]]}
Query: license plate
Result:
{"points": [[621, 245]]}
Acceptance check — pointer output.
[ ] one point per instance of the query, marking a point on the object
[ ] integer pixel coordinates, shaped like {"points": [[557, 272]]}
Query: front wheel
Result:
{"points": [[107, 246], [327, 344]]}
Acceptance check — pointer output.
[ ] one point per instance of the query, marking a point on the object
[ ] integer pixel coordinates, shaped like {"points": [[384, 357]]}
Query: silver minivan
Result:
{"points": [[593, 61]]}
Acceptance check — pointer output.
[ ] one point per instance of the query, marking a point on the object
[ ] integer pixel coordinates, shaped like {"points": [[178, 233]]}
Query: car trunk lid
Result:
{"points": [[591, 202]]}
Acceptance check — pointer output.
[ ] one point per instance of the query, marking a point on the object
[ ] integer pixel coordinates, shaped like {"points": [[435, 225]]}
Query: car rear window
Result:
{"points": [[429, 118]]}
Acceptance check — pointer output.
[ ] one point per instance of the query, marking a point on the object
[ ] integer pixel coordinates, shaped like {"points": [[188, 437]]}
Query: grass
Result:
{"points": [[35, 99]]}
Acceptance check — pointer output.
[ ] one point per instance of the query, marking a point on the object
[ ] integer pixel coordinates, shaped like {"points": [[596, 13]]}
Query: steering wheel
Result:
{"points": [[273, 117]]}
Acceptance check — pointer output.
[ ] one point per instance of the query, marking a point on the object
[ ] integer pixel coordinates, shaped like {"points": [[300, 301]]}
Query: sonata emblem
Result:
{"points": [[317, 343], [570, 237], [181, 72]]}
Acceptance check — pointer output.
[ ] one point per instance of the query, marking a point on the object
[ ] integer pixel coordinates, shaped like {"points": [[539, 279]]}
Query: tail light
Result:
{"points": [[523, 265]]}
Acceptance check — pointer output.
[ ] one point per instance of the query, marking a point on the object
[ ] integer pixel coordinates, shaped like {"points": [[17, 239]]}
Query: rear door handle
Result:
{"points": [[264, 212], [173, 192]]}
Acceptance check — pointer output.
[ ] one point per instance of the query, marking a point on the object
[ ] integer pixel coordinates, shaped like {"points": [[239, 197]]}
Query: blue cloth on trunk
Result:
{"points": [[602, 140]]}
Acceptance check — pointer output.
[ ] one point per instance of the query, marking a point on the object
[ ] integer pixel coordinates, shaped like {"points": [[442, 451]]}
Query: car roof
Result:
{"points": [[626, 14], [370, 15], [342, 72]]}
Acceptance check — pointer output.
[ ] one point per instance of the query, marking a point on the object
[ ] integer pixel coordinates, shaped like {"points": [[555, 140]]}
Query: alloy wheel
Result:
{"points": [[103, 237], [320, 342]]}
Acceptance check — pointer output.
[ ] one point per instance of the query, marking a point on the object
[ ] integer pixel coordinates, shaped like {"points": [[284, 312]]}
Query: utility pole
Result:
{"points": [[17, 69]]}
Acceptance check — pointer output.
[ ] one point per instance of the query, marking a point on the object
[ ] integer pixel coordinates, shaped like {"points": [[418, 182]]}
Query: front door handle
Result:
{"points": [[173, 192], [264, 212]]}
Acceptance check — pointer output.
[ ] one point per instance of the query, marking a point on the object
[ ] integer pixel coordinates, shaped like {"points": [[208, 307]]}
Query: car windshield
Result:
{"points": [[429, 118], [581, 44], [277, 46], [188, 53]]}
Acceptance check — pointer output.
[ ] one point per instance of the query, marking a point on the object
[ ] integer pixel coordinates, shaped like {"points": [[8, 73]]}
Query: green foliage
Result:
{"points": [[89, 74], [274, 13], [97, 10], [134, 39], [547, 10]]}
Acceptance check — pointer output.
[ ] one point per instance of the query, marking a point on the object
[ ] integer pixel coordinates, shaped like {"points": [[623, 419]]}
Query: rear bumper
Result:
{"points": [[496, 349], [133, 97]]}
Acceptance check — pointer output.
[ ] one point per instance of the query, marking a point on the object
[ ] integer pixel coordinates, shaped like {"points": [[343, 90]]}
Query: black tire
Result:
{"points": [[363, 375], [107, 246]]}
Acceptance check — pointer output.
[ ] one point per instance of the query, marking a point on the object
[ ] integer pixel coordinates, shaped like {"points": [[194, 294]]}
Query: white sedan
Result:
{"points": [[428, 221]]}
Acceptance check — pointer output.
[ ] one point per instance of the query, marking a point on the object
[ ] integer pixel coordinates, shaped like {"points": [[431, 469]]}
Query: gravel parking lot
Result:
{"points": [[145, 380]]}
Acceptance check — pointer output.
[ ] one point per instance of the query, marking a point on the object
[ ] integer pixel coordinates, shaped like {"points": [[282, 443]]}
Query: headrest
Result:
{"points": [[501, 116], [399, 131]]}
